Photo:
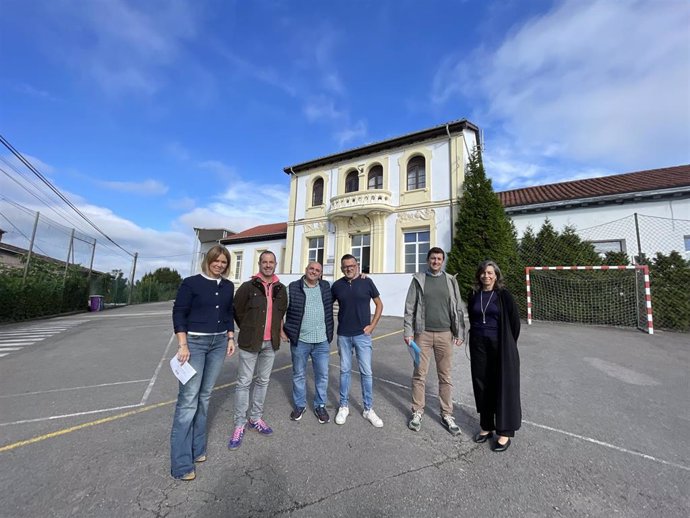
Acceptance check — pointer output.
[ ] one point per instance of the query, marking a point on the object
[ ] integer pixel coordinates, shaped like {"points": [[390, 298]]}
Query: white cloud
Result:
{"points": [[243, 204], [145, 188], [130, 43], [184, 203], [177, 151], [590, 82], [351, 133], [322, 108], [35, 92], [170, 248]]}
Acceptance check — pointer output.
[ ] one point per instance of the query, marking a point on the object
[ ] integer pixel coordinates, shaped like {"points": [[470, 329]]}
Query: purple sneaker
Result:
{"points": [[236, 439], [260, 426]]}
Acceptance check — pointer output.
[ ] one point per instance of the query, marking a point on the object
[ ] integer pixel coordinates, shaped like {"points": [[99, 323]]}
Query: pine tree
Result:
{"points": [[482, 231]]}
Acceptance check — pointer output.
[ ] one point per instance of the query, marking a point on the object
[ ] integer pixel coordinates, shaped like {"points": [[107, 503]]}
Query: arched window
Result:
{"points": [[376, 177], [352, 182], [416, 173], [317, 193]]}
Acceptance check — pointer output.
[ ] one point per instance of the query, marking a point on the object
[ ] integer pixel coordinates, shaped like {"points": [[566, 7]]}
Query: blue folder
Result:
{"points": [[414, 352]]}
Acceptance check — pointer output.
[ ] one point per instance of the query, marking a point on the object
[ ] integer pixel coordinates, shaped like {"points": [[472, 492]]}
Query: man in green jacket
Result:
{"points": [[259, 307], [434, 318]]}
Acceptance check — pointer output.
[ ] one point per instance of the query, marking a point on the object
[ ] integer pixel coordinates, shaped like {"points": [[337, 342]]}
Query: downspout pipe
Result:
{"points": [[450, 185], [294, 218]]}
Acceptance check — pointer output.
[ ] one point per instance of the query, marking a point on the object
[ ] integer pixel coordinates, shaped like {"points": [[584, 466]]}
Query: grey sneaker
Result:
{"points": [[415, 423], [449, 422]]}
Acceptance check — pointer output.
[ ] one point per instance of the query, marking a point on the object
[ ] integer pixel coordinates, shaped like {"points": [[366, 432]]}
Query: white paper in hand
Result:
{"points": [[182, 371], [415, 351]]}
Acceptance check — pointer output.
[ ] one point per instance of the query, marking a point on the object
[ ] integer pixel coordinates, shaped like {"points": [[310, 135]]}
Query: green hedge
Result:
{"points": [[46, 291]]}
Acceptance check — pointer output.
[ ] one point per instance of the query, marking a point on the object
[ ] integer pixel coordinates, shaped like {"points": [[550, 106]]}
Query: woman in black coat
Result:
{"points": [[494, 330]]}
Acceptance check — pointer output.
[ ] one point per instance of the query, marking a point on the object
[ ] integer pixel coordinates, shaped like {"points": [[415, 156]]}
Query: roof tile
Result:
{"points": [[650, 180]]}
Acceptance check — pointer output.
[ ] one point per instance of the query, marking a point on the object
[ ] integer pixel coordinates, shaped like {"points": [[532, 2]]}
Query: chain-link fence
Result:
{"points": [[659, 243], [47, 268]]}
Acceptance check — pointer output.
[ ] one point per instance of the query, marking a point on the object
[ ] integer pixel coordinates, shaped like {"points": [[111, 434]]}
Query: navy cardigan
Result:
{"points": [[203, 306]]}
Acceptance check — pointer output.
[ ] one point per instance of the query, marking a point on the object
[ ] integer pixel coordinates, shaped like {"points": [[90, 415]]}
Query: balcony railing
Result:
{"points": [[361, 202]]}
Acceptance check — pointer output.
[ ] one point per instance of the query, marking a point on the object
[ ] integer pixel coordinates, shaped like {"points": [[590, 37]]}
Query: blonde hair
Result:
{"points": [[214, 253]]}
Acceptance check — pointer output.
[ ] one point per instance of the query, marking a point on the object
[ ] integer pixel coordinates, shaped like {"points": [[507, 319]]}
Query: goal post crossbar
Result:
{"points": [[643, 269]]}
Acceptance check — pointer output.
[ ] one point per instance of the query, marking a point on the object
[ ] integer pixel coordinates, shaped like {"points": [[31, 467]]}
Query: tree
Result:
{"points": [[159, 285], [612, 258], [164, 276], [482, 231], [670, 276], [552, 248]]}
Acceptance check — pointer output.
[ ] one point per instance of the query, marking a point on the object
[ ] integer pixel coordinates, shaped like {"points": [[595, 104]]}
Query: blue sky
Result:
{"points": [[158, 116]]}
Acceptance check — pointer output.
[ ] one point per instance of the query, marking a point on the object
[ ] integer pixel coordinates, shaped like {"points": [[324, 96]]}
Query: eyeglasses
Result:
{"points": [[349, 267]]}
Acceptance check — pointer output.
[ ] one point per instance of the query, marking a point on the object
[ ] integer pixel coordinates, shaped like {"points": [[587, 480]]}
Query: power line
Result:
{"points": [[45, 201], [22, 233], [164, 256], [56, 191], [50, 222]]}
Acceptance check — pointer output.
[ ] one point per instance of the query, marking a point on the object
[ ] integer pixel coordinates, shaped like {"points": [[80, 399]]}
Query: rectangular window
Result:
{"points": [[315, 249], [613, 245], [417, 244], [238, 265], [361, 249], [687, 246]]}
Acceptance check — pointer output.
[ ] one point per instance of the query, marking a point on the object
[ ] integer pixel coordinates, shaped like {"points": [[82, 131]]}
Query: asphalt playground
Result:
{"points": [[85, 415]]}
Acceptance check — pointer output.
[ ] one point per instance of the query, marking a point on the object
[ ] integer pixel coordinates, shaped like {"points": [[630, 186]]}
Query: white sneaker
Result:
{"points": [[343, 412], [371, 416]]}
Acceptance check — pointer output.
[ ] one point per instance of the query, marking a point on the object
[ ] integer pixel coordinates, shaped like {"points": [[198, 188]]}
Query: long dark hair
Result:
{"points": [[499, 285]]}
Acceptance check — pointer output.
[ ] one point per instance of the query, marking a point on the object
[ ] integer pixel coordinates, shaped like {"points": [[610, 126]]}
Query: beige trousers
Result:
{"points": [[440, 344]]}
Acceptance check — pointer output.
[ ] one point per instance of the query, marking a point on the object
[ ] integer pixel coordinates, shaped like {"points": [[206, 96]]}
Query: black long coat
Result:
{"points": [[508, 408]]}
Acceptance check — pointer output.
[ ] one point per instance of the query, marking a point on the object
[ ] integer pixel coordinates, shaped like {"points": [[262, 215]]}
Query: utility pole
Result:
{"points": [[131, 279], [31, 247]]}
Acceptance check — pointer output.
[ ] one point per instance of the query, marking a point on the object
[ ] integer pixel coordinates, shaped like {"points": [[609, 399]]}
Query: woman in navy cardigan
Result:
{"points": [[203, 323]]}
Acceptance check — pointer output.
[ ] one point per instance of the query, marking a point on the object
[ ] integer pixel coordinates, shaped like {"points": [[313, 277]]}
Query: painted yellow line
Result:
{"points": [[64, 431]]}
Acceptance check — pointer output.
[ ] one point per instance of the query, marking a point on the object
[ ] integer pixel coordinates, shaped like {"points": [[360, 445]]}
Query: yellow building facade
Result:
{"points": [[385, 203]]}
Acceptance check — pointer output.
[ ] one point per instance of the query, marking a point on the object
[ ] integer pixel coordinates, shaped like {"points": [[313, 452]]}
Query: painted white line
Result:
{"points": [[148, 390], [551, 429], [77, 414], [72, 388], [24, 333], [606, 444], [131, 315], [17, 342], [3, 354], [7, 349]]}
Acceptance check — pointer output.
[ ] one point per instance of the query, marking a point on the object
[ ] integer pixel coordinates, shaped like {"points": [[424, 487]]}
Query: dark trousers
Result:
{"points": [[485, 375]]}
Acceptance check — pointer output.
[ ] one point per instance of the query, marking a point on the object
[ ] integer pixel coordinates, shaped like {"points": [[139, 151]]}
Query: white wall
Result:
{"points": [[612, 222], [392, 287], [250, 258], [440, 179]]}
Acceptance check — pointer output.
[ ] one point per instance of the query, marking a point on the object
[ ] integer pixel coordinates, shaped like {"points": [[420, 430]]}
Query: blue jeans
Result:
{"points": [[260, 362], [188, 435], [362, 346], [319, 359]]}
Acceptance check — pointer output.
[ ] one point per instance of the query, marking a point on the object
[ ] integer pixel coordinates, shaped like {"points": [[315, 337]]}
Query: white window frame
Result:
{"points": [[358, 249], [316, 252], [603, 246], [238, 262], [421, 248]]}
